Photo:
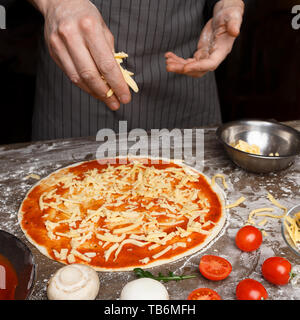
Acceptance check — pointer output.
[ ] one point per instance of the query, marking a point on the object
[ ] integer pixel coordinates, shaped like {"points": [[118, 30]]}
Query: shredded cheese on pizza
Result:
{"points": [[106, 205]]}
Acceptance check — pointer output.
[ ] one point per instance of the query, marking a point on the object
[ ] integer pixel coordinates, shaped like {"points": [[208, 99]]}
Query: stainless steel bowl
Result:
{"points": [[271, 137], [285, 233]]}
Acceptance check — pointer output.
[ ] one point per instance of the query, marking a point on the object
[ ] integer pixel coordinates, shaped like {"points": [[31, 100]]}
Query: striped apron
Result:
{"points": [[146, 30]]}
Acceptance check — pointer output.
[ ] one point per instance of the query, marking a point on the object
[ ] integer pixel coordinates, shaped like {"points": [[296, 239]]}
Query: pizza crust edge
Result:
{"points": [[198, 249]]}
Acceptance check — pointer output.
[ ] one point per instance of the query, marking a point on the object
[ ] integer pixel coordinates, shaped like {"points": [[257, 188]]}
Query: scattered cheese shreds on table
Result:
{"points": [[221, 176], [33, 176], [256, 212], [126, 74], [261, 212], [277, 204], [236, 203]]}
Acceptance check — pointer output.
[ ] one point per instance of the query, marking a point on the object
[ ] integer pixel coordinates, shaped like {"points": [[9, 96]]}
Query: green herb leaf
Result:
{"points": [[170, 277]]}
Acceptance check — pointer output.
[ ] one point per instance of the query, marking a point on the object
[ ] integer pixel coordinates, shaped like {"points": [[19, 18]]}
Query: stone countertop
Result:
{"points": [[42, 158]]}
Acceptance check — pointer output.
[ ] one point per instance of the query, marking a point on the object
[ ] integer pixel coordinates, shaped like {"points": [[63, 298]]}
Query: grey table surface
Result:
{"points": [[17, 161]]}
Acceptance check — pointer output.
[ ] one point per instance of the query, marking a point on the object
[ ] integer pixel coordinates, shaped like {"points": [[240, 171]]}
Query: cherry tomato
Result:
{"points": [[214, 268], [276, 270], [249, 289], [204, 294], [248, 238]]}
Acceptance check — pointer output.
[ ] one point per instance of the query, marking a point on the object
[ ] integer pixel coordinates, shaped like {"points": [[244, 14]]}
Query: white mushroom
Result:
{"points": [[144, 289], [74, 282]]}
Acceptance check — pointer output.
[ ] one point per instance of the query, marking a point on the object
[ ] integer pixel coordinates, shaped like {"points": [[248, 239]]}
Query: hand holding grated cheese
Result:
{"points": [[126, 74]]}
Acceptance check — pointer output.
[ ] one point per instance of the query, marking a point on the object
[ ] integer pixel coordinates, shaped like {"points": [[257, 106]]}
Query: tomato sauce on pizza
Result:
{"points": [[121, 216]]}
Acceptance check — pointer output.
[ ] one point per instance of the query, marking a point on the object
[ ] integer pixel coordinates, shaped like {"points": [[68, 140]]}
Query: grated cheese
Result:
{"points": [[71, 258], [33, 176], [161, 253], [277, 204], [292, 226], [119, 191], [255, 212], [246, 147], [126, 74], [129, 241], [145, 260], [221, 176], [178, 244], [258, 212], [108, 252], [237, 203], [263, 222]]}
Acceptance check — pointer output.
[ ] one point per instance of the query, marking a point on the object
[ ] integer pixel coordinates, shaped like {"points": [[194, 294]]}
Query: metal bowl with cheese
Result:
{"points": [[260, 146]]}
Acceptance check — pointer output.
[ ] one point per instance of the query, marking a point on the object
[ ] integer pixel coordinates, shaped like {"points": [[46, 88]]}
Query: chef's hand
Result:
{"points": [[216, 41], [82, 45]]}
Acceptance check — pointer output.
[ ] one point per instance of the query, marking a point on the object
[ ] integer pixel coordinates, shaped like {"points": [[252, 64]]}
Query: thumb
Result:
{"points": [[234, 26]]}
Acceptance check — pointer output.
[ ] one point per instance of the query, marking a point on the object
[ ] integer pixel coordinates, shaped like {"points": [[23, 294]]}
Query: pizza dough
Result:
{"points": [[74, 282], [144, 289], [121, 216]]}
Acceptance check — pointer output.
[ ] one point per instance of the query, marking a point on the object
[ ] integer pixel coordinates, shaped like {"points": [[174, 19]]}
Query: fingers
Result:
{"points": [[87, 74], [202, 66], [83, 47], [215, 43], [198, 67], [222, 47], [234, 23], [104, 59], [174, 63], [230, 13], [61, 56]]}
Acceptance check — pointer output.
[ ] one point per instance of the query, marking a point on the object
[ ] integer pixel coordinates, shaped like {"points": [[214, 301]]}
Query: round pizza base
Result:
{"points": [[216, 230]]}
